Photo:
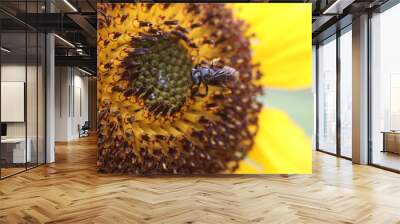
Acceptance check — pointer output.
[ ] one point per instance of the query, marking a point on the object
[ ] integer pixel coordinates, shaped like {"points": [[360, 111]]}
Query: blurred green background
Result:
{"points": [[298, 104]]}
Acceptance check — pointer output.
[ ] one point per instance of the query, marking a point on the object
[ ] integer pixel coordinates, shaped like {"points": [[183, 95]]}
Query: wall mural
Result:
{"points": [[183, 88]]}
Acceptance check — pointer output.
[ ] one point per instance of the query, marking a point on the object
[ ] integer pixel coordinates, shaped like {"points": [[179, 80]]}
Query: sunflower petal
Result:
{"points": [[282, 44], [280, 147]]}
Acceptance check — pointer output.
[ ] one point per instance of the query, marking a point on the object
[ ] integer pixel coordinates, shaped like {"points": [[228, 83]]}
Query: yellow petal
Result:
{"points": [[280, 147], [282, 43]]}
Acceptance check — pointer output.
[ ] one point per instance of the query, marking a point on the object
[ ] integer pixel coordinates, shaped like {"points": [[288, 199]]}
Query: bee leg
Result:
{"points": [[195, 90], [206, 90]]}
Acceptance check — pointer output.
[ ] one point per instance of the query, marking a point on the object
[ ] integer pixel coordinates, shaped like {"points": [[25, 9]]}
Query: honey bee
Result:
{"points": [[211, 75]]}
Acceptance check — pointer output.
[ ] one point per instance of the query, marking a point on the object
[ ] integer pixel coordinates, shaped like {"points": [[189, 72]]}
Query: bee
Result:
{"points": [[215, 75]]}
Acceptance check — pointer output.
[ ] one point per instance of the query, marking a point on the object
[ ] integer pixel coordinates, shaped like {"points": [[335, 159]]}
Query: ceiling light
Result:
{"points": [[84, 71], [5, 50], [70, 5], [337, 7], [65, 41]]}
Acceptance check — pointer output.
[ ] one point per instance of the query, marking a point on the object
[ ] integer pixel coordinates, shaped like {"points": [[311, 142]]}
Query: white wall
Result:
{"points": [[62, 81], [80, 110], [16, 72], [71, 94]]}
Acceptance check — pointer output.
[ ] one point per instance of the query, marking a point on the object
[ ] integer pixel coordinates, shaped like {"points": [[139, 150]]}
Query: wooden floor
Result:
{"points": [[10, 171], [70, 191]]}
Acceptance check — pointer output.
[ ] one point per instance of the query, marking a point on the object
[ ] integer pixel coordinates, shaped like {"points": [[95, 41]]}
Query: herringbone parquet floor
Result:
{"points": [[70, 191]]}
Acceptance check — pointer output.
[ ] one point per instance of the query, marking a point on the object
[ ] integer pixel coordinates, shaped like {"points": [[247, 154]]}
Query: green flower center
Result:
{"points": [[161, 71]]}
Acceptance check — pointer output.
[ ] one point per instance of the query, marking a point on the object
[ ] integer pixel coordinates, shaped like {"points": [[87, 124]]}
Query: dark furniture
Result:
{"points": [[3, 129], [391, 141], [84, 130]]}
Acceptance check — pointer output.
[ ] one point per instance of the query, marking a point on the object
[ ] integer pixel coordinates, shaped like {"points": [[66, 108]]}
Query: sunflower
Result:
{"points": [[152, 118]]}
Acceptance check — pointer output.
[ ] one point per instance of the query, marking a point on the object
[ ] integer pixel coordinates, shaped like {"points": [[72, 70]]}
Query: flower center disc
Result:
{"points": [[162, 74]]}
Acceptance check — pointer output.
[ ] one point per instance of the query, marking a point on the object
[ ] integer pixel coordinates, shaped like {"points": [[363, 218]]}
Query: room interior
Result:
{"points": [[335, 105], [22, 101], [24, 104]]}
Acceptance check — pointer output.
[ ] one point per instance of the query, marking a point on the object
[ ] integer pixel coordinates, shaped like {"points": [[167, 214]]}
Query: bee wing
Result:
{"points": [[225, 74], [226, 71]]}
